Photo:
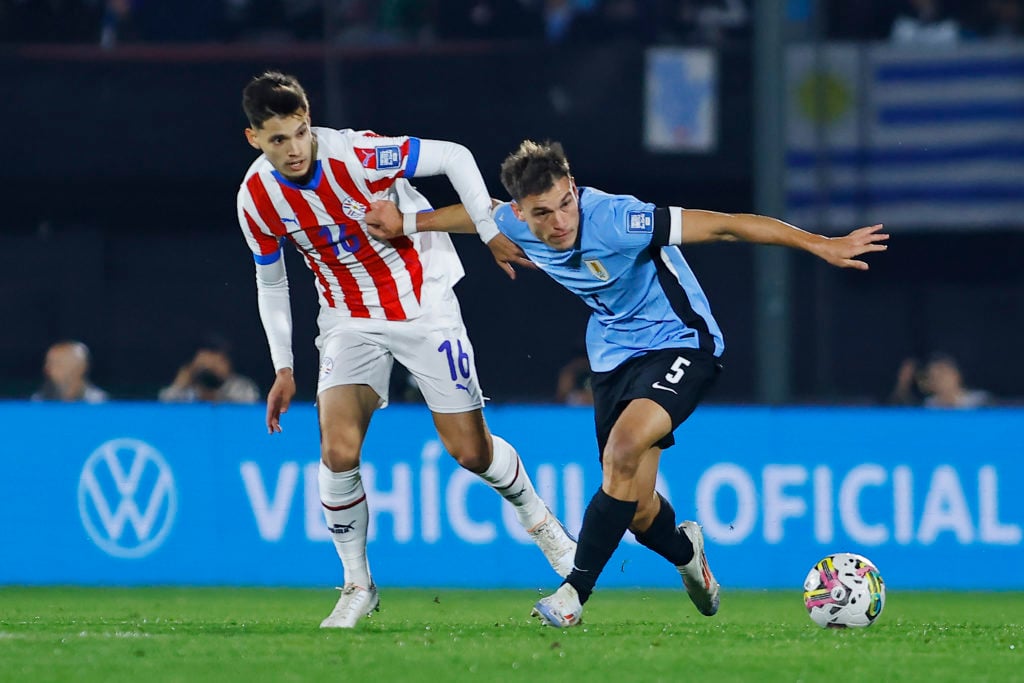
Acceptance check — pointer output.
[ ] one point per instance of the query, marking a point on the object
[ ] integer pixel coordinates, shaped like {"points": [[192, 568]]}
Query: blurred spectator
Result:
{"points": [[1004, 19], [938, 384], [944, 385], [558, 17], [378, 22], [209, 377], [118, 23], [613, 20], [925, 22], [574, 383], [713, 21], [488, 19], [405, 20], [66, 375], [908, 391]]}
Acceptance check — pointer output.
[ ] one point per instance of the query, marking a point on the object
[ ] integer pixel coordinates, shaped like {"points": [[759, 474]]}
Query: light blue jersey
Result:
{"points": [[642, 291]]}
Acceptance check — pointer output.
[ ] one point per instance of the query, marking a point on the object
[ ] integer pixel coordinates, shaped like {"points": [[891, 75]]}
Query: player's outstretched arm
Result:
{"points": [[842, 252], [385, 221]]}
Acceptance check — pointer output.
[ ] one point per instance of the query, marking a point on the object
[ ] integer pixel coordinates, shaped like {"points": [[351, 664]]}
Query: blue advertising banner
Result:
{"points": [[130, 494]]}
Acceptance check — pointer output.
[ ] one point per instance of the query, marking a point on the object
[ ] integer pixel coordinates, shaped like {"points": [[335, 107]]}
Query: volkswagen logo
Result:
{"points": [[126, 498]]}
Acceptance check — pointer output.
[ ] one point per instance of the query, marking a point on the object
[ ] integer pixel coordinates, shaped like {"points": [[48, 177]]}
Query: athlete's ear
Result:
{"points": [[250, 135], [517, 211]]}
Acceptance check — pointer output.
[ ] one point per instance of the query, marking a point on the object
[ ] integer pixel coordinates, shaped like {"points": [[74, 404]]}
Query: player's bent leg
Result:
{"points": [[655, 522], [627, 462], [663, 536], [700, 583], [614, 506], [466, 437], [344, 414], [648, 502]]}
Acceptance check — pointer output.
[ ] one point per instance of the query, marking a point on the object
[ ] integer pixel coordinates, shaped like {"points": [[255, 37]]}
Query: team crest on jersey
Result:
{"points": [[597, 268], [353, 209], [640, 221]]}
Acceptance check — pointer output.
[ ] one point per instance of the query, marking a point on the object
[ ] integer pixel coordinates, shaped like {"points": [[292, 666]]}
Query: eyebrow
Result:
{"points": [[543, 209], [282, 136]]}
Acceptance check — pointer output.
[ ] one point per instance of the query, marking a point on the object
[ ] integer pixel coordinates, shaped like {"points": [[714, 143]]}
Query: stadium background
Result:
{"points": [[119, 227]]}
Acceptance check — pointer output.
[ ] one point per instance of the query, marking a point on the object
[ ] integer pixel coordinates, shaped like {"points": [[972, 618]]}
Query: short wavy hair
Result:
{"points": [[271, 94], [533, 168]]}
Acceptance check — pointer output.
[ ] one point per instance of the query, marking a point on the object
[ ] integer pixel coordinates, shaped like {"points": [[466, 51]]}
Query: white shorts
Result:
{"points": [[433, 347]]}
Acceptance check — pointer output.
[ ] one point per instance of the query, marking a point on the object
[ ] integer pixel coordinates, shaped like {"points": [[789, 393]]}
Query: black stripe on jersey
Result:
{"points": [[576, 259], [680, 303], [662, 227]]}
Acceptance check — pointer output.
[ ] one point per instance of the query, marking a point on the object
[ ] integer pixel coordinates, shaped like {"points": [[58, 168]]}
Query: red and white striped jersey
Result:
{"points": [[356, 274]]}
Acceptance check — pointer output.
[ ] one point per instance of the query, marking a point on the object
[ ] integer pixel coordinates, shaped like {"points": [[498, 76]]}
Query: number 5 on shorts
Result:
{"points": [[677, 371]]}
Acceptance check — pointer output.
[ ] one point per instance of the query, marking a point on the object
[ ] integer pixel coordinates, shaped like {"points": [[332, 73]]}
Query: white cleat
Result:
{"points": [[556, 544], [355, 603], [561, 609], [697, 577]]}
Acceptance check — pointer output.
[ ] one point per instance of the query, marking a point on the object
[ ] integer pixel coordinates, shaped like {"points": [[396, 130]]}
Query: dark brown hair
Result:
{"points": [[273, 94], [533, 168]]}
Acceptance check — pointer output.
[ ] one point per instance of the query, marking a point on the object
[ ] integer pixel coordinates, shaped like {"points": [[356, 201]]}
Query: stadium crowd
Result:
{"points": [[392, 22]]}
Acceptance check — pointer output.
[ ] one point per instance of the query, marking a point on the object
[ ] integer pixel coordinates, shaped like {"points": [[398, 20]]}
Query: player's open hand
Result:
{"points": [[279, 399], [384, 220], [508, 254], [842, 252]]}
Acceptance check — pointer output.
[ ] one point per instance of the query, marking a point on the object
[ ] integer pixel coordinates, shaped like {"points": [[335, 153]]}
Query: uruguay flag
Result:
{"points": [[914, 137]]}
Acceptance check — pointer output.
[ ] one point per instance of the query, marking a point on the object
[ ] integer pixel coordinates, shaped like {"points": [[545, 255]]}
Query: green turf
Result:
{"points": [[253, 635]]}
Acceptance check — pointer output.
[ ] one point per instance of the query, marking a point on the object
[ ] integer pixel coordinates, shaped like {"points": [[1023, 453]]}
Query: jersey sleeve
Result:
{"points": [[632, 224], [264, 245], [386, 157], [271, 280], [439, 157], [668, 226], [504, 218]]}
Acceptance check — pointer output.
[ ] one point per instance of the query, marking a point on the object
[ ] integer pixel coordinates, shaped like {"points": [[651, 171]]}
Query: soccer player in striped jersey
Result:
{"points": [[654, 346], [380, 301]]}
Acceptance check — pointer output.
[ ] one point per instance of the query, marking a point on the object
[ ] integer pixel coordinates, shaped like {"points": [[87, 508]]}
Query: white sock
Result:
{"points": [[344, 503], [508, 477]]}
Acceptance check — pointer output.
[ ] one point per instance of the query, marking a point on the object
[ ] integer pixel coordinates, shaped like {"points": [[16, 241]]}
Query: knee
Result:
{"points": [[621, 456], [473, 454], [339, 455]]}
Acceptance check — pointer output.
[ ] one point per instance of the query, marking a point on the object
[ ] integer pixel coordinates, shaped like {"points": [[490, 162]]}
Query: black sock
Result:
{"points": [[604, 524], [665, 538]]}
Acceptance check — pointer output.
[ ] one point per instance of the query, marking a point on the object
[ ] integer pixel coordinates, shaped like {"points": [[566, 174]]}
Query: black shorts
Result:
{"points": [[675, 379]]}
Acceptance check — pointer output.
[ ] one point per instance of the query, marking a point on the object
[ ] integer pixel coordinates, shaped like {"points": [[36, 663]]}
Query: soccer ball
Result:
{"points": [[844, 590]]}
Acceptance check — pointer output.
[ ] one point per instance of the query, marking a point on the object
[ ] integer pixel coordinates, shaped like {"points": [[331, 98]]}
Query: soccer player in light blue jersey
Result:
{"points": [[653, 344]]}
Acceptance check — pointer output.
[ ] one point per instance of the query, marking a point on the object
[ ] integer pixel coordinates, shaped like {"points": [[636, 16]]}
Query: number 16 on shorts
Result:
{"points": [[459, 366]]}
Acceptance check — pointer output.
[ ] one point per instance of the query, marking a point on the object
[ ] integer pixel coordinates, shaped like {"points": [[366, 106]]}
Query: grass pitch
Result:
{"points": [[152, 635]]}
